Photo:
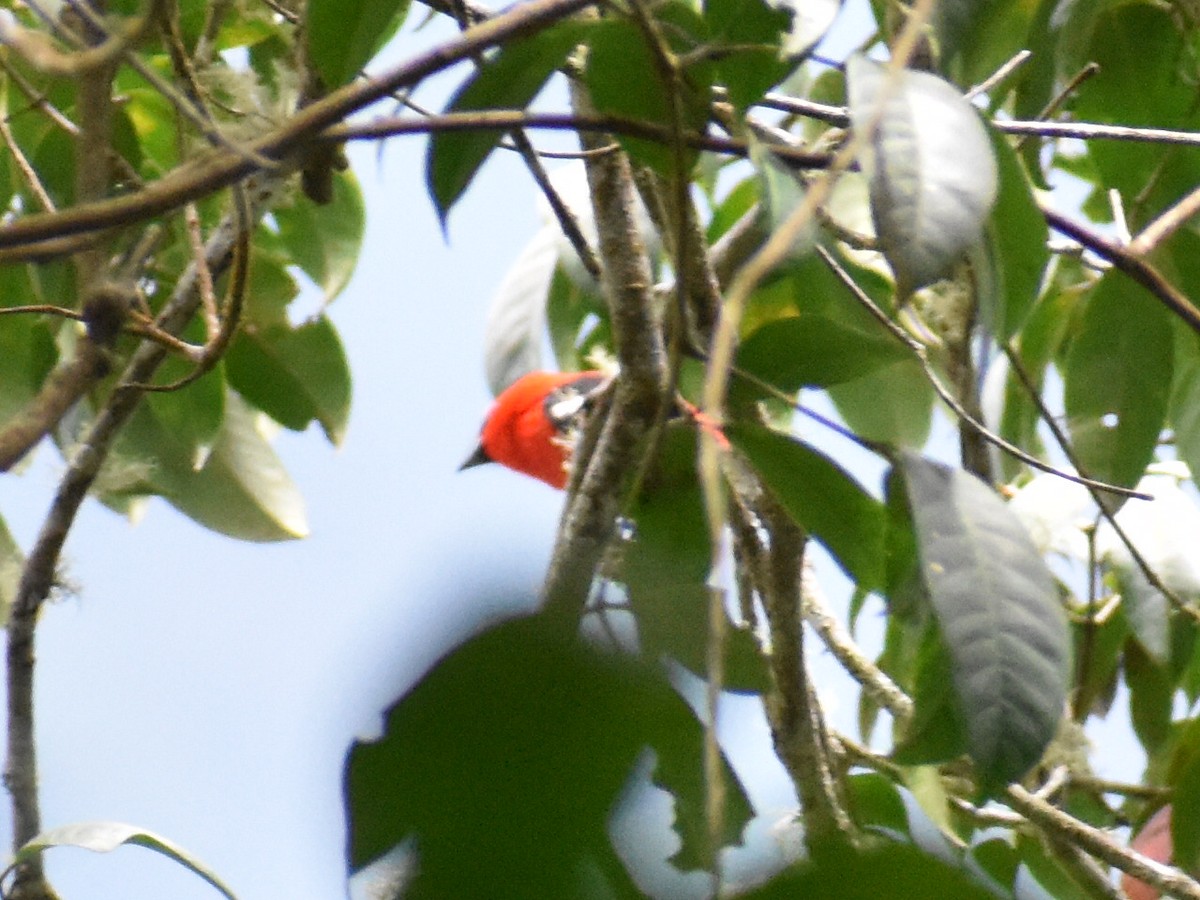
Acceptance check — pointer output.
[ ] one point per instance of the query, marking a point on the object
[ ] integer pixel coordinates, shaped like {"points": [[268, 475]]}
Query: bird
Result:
{"points": [[532, 424]]}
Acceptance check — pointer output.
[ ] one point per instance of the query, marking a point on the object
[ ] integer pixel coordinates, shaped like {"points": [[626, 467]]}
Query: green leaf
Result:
{"points": [[1015, 244], [892, 405], [821, 497], [931, 167], [1117, 381], [938, 728], [104, 837], [998, 859], [1151, 692], [748, 32], [324, 241], [877, 805], [887, 870], [295, 375], [487, 752], [12, 563], [241, 491], [508, 80], [344, 35], [999, 616], [625, 79], [665, 569], [976, 37], [814, 351], [1047, 871]]}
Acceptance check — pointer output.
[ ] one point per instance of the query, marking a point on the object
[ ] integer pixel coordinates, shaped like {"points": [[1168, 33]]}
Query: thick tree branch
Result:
{"points": [[637, 399]]}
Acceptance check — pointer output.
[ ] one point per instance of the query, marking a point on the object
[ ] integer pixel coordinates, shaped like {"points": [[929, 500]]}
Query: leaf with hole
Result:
{"points": [[1117, 381], [1000, 618]]}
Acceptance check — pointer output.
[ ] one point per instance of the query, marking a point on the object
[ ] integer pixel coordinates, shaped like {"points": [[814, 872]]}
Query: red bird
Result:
{"points": [[529, 427]]}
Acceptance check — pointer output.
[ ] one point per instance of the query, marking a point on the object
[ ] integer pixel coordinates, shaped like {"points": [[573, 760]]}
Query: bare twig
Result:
{"points": [[1164, 878], [1165, 225]]}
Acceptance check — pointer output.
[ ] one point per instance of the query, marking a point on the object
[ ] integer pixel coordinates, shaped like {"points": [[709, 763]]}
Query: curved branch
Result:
{"points": [[221, 169]]}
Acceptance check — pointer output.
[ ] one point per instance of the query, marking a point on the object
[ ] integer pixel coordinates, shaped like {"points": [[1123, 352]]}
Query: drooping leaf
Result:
{"points": [[516, 322], [665, 569], [324, 241], [241, 490], [344, 35], [1150, 694], [104, 837], [779, 194], [625, 79], [12, 563], [822, 498], [508, 80], [810, 22], [999, 616], [1117, 381], [932, 171], [975, 37], [1015, 245], [295, 375]]}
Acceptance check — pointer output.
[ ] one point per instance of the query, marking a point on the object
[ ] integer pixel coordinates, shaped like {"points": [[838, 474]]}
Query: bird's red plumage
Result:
{"points": [[518, 432]]}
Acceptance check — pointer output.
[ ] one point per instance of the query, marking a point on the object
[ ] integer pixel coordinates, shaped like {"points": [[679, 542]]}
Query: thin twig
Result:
{"points": [[1018, 59], [1064, 443], [1166, 224], [947, 396]]}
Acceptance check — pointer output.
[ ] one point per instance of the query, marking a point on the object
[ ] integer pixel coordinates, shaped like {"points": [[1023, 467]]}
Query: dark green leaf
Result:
{"points": [[751, 31], [1118, 381], [975, 37], [814, 351], [932, 170], [999, 616], [1150, 694], [508, 80], [625, 79], [891, 871], [104, 837], [487, 752], [876, 804], [999, 859], [324, 241], [1016, 236], [344, 35], [665, 568], [938, 728], [1047, 871], [295, 375], [821, 497]]}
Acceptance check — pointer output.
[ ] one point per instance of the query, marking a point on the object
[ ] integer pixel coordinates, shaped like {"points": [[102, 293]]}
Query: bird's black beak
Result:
{"points": [[478, 458]]}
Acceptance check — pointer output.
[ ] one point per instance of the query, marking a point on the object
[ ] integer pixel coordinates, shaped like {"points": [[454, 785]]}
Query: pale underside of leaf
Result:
{"points": [[933, 177], [104, 837], [516, 322]]}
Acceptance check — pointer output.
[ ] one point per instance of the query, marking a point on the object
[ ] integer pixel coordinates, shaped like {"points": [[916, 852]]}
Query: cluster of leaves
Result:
{"points": [[960, 302]]}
